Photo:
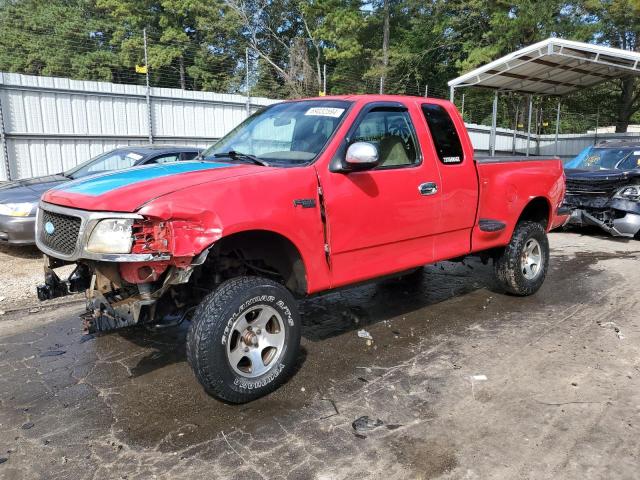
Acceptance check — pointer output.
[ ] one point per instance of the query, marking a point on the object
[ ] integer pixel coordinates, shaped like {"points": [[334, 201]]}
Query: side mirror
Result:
{"points": [[361, 156]]}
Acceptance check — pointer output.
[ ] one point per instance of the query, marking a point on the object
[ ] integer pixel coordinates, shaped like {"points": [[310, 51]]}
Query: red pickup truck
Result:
{"points": [[303, 197]]}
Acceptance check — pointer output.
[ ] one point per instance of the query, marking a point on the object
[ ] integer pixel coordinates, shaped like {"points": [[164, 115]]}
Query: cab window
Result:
{"points": [[391, 131], [444, 134]]}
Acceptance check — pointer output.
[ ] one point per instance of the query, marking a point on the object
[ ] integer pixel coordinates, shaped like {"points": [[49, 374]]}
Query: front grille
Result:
{"points": [[65, 232], [595, 187]]}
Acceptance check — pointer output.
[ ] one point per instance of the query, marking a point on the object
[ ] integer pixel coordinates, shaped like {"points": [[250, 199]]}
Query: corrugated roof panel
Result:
{"points": [[553, 66]]}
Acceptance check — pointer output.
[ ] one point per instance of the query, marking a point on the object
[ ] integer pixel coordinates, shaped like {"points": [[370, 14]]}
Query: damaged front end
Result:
{"points": [[113, 303], [610, 201], [145, 285]]}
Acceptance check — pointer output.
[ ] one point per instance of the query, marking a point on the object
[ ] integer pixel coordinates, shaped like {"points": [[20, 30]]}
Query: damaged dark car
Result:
{"points": [[603, 188]]}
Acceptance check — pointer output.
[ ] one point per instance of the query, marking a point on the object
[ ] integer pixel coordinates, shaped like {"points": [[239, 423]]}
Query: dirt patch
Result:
{"points": [[20, 273]]}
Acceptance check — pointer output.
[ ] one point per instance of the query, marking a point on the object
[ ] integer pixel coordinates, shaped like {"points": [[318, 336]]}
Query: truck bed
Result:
{"points": [[507, 185], [513, 158]]}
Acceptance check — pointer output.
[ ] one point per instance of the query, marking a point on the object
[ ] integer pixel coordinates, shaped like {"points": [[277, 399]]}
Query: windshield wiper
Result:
{"points": [[242, 157]]}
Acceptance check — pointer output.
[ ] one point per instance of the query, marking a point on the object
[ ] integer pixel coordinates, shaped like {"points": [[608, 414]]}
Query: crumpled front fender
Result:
{"points": [[193, 229]]}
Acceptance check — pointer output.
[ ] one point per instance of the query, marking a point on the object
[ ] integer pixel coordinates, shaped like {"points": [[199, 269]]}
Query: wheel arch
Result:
{"points": [[271, 247], [538, 209]]}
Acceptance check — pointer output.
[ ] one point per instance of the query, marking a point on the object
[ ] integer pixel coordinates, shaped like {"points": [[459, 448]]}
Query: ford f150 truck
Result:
{"points": [[303, 197]]}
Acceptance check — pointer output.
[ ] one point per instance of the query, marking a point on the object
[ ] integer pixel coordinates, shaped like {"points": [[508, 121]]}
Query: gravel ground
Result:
{"points": [[20, 273]]}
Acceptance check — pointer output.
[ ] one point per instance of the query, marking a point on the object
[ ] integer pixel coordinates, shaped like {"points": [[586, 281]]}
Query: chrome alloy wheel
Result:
{"points": [[256, 341], [531, 261]]}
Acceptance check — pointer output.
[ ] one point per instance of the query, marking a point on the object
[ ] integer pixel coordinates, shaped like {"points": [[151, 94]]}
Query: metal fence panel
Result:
{"points": [[52, 124], [569, 145]]}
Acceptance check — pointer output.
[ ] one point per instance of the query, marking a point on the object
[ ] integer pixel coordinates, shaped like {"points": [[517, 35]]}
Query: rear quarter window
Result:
{"points": [[444, 134]]}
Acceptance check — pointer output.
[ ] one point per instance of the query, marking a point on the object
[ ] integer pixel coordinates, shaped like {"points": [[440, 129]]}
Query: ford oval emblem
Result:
{"points": [[49, 228]]}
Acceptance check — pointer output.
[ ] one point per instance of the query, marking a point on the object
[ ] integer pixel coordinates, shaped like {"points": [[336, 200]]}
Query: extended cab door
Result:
{"points": [[382, 220], [450, 148]]}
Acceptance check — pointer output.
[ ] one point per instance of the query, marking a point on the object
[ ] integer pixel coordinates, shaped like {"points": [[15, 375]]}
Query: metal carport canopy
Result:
{"points": [[551, 67]]}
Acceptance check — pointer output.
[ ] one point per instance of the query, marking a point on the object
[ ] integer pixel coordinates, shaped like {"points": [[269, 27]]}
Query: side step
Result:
{"points": [[488, 225]]}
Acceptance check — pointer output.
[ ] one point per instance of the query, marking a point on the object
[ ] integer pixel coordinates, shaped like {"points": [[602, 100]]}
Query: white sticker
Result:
{"points": [[325, 111], [134, 156], [451, 159], [636, 153]]}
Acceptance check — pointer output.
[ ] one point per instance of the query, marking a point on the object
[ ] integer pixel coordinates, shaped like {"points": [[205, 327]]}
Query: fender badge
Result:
{"points": [[305, 203], [49, 228]]}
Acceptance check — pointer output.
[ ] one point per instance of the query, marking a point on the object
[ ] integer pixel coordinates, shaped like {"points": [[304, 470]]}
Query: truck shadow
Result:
{"points": [[334, 314], [167, 348], [355, 308]]}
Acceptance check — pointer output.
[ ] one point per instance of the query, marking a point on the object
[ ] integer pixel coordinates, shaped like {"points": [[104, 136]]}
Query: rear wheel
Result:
{"points": [[244, 338], [522, 266]]}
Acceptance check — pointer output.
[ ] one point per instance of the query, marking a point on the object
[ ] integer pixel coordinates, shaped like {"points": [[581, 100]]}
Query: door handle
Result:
{"points": [[428, 188]]}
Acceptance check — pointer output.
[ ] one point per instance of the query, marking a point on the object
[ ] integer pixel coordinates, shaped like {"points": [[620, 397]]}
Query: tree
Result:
{"points": [[278, 33], [191, 43], [56, 37], [618, 28]]}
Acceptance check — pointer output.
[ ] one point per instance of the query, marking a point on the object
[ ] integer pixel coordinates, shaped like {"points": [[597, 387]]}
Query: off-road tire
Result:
{"points": [[209, 332], [507, 265]]}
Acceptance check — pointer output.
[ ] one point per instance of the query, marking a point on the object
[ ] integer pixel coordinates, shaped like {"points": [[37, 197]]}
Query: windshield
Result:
{"points": [[290, 132], [606, 159], [113, 160]]}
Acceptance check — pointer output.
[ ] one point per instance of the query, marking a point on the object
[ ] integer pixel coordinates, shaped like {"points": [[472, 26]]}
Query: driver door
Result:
{"points": [[379, 220]]}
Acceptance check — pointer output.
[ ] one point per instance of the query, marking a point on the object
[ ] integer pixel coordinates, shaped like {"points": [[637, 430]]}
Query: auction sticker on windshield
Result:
{"points": [[325, 112], [134, 156]]}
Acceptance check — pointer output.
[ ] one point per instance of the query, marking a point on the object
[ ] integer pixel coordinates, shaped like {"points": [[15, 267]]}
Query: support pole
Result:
{"points": [[515, 130], [426, 91], [538, 127], [462, 108], [595, 138], [555, 153], [494, 122], [452, 91], [3, 142], [529, 123], [148, 90], [246, 81]]}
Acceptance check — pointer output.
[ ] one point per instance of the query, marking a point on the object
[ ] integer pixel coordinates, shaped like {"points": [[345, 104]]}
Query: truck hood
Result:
{"points": [[128, 190]]}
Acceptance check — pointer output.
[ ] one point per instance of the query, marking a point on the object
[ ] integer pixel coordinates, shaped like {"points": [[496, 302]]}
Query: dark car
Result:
{"points": [[19, 199], [603, 188]]}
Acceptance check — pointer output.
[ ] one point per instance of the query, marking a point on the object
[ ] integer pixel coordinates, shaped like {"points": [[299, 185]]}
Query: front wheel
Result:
{"points": [[244, 338], [522, 266]]}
